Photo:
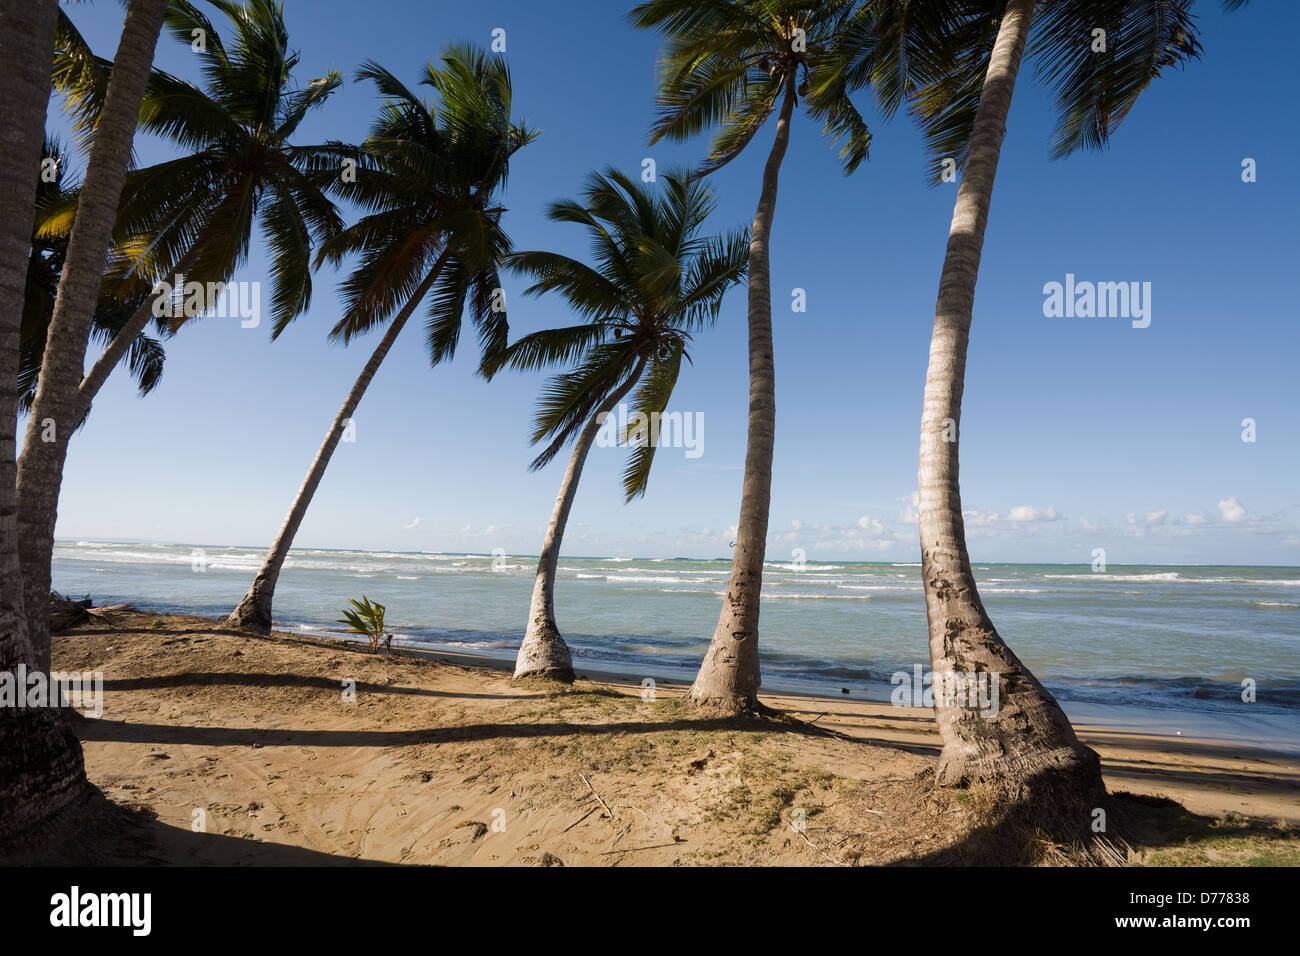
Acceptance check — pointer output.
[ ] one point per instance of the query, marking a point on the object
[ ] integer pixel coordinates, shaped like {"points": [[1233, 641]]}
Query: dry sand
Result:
{"points": [[239, 750]]}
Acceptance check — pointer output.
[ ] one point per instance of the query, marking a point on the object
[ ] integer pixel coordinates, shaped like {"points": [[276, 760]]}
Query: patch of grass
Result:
{"points": [[769, 810], [1232, 841]]}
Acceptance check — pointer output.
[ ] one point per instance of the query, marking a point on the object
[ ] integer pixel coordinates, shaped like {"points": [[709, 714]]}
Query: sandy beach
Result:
{"points": [[218, 748]]}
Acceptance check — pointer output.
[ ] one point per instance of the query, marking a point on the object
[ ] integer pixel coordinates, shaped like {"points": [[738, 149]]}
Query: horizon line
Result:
{"points": [[620, 557]]}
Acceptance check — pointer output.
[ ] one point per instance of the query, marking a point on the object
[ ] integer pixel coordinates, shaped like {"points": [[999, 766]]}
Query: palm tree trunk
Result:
{"points": [[254, 611], [1029, 744], [121, 343], [729, 676], [543, 652], [53, 417], [43, 783], [27, 44]]}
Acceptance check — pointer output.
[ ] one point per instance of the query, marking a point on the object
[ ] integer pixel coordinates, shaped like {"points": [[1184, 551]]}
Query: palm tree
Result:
{"points": [[429, 178], [42, 774], [655, 283], [118, 301], [961, 92], [727, 64], [54, 411]]}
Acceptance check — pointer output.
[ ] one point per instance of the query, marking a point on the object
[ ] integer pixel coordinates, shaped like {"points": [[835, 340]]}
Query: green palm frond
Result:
{"points": [[726, 63], [547, 348], [290, 244], [653, 280], [651, 400], [933, 55], [81, 77], [430, 171], [120, 296], [721, 263], [587, 291], [1095, 90], [568, 400], [388, 271], [239, 171]]}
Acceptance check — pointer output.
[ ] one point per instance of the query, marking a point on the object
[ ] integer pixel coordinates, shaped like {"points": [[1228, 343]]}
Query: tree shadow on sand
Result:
{"points": [[1140, 829], [175, 734], [113, 835], [235, 678]]}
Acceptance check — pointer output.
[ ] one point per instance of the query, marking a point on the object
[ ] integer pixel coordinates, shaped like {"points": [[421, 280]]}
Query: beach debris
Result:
{"points": [[699, 763], [598, 798], [65, 612], [479, 828], [622, 833], [109, 608], [551, 860], [824, 854]]}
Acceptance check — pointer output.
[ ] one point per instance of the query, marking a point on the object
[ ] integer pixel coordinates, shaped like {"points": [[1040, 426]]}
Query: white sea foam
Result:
{"points": [[878, 587], [1108, 576], [638, 579], [1177, 576]]}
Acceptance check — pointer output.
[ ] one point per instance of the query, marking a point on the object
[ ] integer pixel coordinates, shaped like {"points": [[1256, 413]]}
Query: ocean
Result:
{"points": [[1159, 649]]}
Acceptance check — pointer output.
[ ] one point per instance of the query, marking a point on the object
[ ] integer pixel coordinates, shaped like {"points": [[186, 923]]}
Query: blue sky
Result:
{"points": [[1077, 433]]}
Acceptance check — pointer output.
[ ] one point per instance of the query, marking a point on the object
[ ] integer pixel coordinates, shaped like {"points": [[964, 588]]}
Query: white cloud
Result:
{"points": [[1016, 519], [414, 524], [1030, 513], [866, 534], [867, 523], [1156, 517], [1231, 510]]}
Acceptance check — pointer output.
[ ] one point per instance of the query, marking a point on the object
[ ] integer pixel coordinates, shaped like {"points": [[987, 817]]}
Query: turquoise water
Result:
{"points": [[1161, 648]]}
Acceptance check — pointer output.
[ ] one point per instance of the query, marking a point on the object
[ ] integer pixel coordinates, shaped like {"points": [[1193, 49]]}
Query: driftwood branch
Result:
{"points": [[598, 799]]}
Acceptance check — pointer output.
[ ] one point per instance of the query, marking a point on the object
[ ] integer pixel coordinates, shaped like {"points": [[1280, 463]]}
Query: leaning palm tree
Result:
{"points": [[54, 410], [656, 281], [960, 91], [731, 64], [42, 774], [429, 176]]}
